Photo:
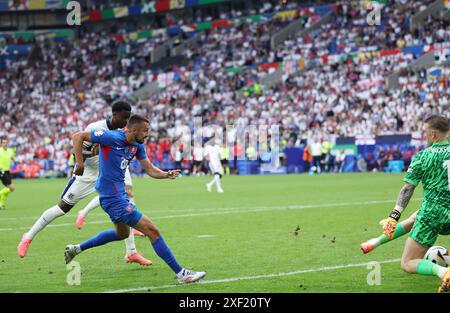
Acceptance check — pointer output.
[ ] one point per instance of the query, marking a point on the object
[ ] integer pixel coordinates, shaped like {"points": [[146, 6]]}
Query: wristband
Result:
{"points": [[395, 215]]}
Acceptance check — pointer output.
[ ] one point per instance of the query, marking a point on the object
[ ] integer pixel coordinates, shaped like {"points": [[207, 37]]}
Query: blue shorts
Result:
{"points": [[121, 210]]}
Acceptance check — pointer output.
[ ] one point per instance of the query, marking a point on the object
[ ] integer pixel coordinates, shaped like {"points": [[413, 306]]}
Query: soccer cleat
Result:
{"points": [[208, 187], [187, 276], [2, 207], [220, 190], [366, 247], [138, 233], [23, 246], [71, 252], [137, 258], [445, 286], [80, 221]]}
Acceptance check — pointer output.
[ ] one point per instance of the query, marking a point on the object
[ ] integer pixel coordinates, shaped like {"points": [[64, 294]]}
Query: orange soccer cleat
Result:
{"points": [[23, 246], [138, 233], [80, 221], [137, 258]]}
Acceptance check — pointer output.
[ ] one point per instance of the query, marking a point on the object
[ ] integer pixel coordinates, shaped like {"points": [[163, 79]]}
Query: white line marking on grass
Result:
{"points": [[204, 236], [221, 211], [233, 279]]}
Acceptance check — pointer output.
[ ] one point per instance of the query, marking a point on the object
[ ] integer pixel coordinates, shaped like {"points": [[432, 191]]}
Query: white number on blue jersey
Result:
{"points": [[123, 164]]}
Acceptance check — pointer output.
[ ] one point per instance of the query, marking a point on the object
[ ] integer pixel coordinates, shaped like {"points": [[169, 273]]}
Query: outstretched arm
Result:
{"points": [[157, 173], [77, 140], [402, 201]]}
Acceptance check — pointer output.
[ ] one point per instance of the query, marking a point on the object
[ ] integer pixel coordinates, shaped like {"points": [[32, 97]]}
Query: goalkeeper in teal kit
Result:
{"points": [[431, 167], [117, 149]]}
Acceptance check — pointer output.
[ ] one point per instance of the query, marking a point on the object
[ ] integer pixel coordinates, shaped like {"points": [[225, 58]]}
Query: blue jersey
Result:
{"points": [[115, 154]]}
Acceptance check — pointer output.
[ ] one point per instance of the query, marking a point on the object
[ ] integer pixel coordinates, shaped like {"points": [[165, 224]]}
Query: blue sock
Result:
{"points": [[163, 251], [101, 239]]}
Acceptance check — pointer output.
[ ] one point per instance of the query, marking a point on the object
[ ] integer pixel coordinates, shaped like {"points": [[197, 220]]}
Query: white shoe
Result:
{"points": [[71, 252], [220, 190], [208, 187], [187, 276]]}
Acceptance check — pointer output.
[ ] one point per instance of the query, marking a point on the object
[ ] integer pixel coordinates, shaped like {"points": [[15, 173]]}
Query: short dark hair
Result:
{"points": [[121, 106], [136, 119], [439, 123]]}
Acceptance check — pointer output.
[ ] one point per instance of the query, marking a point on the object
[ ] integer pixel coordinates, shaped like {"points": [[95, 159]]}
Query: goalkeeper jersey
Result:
{"points": [[6, 157], [432, 167]]}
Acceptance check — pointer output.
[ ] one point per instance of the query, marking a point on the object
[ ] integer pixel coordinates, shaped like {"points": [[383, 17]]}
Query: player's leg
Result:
{"points": [[74, 192], [131, 254], [119, 211], [218, 178], [402, 228], [150, 229], [94, 203], [5, 191], [213, 181], [129, 190], [120, 232], [430, 221]]}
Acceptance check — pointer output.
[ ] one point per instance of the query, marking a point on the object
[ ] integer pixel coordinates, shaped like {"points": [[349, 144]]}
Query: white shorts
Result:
{"points": [[215, 167], [128, 181], [77, 190]]}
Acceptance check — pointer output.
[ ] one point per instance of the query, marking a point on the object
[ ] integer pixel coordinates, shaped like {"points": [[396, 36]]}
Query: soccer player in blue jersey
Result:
{"points": [[117, 149]]}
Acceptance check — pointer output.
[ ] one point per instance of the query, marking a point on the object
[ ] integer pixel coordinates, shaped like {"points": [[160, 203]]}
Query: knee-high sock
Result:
{"points": [[213, 181], [382, 239], [426, 267], [99, 240], [218, 182], [90, 206], [46, 218], [129, 243], [163, 251], [5, 192]]}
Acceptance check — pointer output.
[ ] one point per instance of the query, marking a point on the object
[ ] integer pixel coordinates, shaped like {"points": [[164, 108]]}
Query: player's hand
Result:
{"points": [[79, 170], [172, 174], [390, 223], [389, 227]]}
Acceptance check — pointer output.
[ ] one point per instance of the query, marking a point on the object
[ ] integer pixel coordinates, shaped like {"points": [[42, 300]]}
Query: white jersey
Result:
{"points": [[213, 152], [91, 163]]}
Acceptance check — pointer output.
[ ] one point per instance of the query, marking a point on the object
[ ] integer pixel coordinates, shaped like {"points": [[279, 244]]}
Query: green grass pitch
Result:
{"points": [[245, 239]]}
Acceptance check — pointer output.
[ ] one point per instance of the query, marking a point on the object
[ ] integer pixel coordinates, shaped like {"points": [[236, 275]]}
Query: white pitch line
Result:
{"points": [[240, 210], [228, 209], [233, 279]]}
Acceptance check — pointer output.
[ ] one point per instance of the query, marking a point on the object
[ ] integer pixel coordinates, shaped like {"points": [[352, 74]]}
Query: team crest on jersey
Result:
{"points": [[129, 208], [133, 150], [98, 133]]}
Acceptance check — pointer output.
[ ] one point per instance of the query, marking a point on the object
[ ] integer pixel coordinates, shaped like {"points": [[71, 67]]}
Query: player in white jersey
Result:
{"points": [[95, 203], [79, 187], [212, 155]]}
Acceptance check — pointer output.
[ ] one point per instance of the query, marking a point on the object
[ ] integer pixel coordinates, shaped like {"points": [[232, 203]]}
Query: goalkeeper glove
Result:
{"points": [[390, 223]]}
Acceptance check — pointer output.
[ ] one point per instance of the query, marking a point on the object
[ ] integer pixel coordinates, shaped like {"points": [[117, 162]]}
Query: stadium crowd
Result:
{"points": [[44, 99]]}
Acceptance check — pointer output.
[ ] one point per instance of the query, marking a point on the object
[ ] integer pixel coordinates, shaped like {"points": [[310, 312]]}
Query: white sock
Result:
{"points": [[213, 181], [90, 206], [441, 272], [46, 218], [129, 243], [218, 182]]}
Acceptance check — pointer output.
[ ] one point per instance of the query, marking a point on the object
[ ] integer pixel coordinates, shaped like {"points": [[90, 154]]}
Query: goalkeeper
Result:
{"points": [[6, 159], [431, 167]]}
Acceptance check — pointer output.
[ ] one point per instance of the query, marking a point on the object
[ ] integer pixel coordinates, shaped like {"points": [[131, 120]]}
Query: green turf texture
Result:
{"points": [[247, 232]]}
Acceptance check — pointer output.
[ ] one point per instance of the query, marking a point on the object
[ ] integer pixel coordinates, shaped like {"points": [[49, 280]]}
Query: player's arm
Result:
{"points": [[403, 198], [412, 179], [152, 170], [78, 140], [157, 173]]}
